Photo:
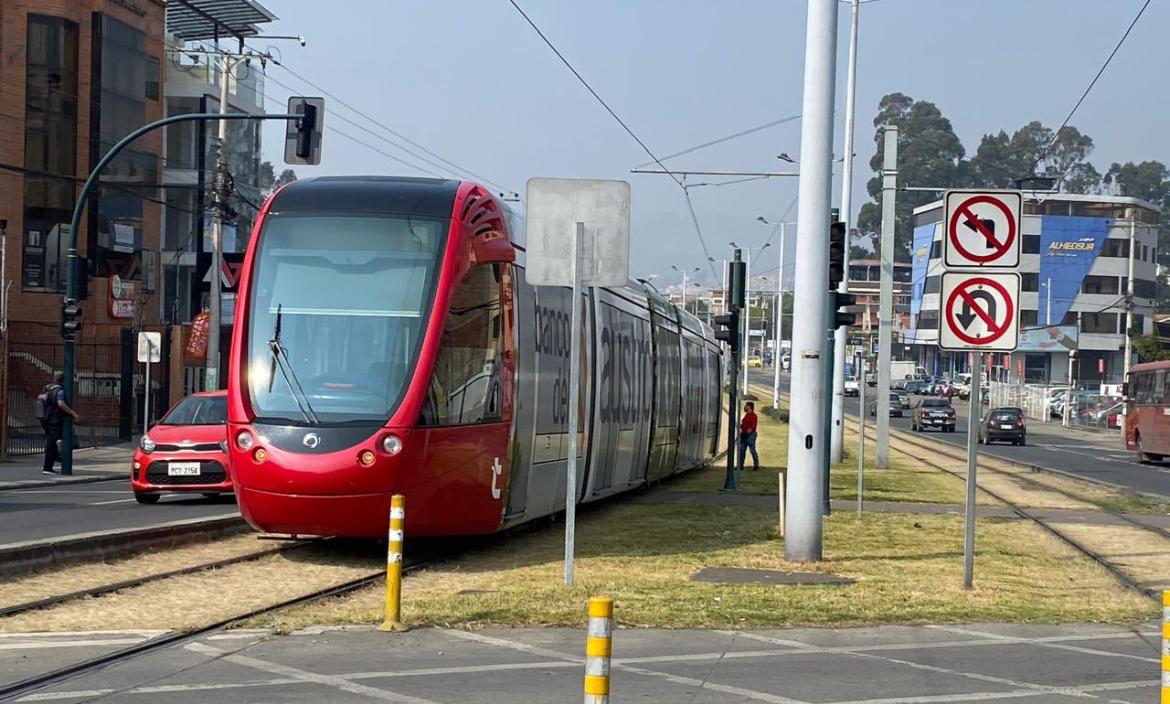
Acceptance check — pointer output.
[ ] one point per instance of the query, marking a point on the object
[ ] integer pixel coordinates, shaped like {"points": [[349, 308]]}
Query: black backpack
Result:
{"points": [[46, 405]]}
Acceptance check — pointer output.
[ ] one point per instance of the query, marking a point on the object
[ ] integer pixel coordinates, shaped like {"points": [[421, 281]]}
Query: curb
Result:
{"points": [[67, 550], [63, 481]]}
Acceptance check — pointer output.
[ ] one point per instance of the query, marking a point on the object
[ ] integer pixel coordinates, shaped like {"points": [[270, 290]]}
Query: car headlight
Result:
{"points": [[146, 444], [244, 440]]}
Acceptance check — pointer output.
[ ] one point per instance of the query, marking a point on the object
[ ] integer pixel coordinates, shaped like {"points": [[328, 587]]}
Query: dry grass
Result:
{"points": [[39, 585], [908, 570], [184, 603], [1140, 554]]}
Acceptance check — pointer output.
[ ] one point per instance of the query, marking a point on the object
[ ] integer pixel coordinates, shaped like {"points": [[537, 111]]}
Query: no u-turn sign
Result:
{"points": [[979, 311]]}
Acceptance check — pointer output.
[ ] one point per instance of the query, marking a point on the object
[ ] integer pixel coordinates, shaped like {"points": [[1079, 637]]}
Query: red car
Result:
{"points": [[185, 452]]}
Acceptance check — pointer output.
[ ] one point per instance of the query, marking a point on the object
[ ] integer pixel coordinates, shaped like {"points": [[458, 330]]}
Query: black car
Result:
{"points": [[933, 413], [1004, 424]]}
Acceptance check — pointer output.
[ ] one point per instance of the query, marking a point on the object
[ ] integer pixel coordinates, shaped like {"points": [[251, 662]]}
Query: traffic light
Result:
{"points": [[727, 329], [302, 137], [70, 318], [836, 254], [837, 316], [736, 282]]}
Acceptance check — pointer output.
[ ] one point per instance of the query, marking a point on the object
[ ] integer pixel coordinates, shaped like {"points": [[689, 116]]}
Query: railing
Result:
{"points": [[1086, 407]]}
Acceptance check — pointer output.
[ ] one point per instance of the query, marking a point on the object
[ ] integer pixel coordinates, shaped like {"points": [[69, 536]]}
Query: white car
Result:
{"points": [[852, 388]]}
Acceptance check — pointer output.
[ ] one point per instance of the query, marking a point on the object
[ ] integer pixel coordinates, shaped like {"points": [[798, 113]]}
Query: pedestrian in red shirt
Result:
{"points": [[747, 436]]}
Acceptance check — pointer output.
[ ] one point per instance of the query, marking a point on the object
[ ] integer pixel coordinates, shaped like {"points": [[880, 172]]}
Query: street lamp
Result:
{"points": [[779, 338], [684, 283]]}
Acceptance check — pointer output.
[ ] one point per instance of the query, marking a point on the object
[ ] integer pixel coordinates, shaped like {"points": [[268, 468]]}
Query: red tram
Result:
{"points": [[386, 341]]}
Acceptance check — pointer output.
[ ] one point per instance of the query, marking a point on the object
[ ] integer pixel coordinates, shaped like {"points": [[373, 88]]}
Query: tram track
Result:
{"points": [[31, 684], [986, 463]]}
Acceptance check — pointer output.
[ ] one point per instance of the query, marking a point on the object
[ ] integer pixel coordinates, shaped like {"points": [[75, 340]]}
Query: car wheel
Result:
{"points": [[146, 498]]}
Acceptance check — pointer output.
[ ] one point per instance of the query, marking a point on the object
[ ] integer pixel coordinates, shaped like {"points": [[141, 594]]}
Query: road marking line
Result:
{"points": [[74, 634], [69, 643], [1045, 644], [306, 676], [76, 694], [115, 501], [618, 664], [68, 491]]}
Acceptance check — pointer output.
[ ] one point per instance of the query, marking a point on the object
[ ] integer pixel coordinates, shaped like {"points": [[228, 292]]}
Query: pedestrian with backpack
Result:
{"points": [[51, 410]]}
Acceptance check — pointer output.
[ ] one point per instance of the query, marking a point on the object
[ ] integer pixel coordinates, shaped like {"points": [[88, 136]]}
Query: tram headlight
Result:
{"points": [[244, 440], [391, 445], [146, 444]]}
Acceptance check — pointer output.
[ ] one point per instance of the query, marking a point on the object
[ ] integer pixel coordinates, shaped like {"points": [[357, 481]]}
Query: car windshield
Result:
{"points": [[198, 410], [347, 298], [935, 403], [1007, 416]]}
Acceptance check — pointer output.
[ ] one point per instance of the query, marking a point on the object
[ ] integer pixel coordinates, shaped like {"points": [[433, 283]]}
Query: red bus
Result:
{"points": [[1147, 411], [386, 341]]}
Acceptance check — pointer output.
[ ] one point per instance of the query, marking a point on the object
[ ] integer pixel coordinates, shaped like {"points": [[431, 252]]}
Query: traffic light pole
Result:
{"points": [[72, 284]]}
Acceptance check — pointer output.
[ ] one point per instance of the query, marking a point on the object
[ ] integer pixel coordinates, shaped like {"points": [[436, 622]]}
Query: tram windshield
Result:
{"points": [[338, 305]]}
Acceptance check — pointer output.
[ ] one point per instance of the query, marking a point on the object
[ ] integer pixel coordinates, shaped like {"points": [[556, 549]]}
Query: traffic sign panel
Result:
{"points": [[982, 229], [980, 311]]}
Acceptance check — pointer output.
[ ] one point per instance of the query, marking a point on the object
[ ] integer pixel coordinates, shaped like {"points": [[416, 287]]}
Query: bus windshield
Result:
{"points": [[337, 306]]}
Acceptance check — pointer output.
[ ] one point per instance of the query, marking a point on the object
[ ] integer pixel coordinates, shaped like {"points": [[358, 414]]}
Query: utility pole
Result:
{"points": [[806, 429], [836, 437], [1129, 295], [886, 294], [779, 324], [219, 200], [747, 320]]}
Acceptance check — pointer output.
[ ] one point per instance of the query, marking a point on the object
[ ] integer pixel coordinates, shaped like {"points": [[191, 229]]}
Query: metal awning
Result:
{"points": [[208, 19]]}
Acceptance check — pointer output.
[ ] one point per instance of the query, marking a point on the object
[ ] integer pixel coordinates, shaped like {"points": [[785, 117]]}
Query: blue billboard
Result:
{"points": [[1069, 244]]}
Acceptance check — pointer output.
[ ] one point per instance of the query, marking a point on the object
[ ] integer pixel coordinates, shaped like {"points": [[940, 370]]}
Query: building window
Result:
{"points": [[936, 249], [901, 274], [119, 80], [1031, 244], [1027, 317], [1144, 288], [50, 149], [1115, 248], [1139, 324], [1105, 323], [465, 385], [1100, 284], [928, 320], [1035, 369], [1146, 253], [933, 284], [1030, 282], [152, 91]]}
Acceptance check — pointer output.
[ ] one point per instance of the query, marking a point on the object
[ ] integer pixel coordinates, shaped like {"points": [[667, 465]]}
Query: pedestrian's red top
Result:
{"points": [[748, 424]]}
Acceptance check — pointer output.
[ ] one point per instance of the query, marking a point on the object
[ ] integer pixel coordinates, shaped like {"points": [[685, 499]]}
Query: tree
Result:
{"points": [[1031, 151], [286, 177], [1149, 348], [1150, 181], [929, 154], [267, 178]]}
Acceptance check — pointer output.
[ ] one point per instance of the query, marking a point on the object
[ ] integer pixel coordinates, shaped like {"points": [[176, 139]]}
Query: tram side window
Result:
{"points": [[465, 386]]}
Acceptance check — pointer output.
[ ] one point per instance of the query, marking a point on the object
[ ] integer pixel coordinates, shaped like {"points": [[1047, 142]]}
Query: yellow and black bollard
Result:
{"points": [[393, 620], [598, 650], [1166, 646]]}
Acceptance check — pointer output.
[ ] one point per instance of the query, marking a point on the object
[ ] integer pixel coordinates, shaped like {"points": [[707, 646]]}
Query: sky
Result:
{"points": [[469, 80]]}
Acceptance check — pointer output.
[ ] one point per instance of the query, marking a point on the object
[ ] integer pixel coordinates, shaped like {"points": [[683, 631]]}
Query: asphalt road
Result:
{"points": [[1091, 454], [51, 512]]}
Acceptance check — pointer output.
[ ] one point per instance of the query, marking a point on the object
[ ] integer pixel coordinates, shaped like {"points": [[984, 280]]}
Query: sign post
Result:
{"points": [[578, 233], [979, 305], [149, 351]]}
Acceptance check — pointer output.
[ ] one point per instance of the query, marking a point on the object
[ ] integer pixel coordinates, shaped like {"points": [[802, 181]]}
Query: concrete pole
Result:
{"points": [[779, 325], [747, 319], [213, 328], [886, 295], [806, 430], [1129, 295], [1048, 304], [840, 337]]}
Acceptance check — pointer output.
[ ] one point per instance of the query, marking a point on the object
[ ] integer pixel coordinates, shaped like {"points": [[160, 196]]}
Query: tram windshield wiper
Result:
{"points": [[280, 359]]}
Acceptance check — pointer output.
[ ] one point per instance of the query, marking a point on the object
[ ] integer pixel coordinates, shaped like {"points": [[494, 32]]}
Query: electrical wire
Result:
{"points": [[681, 183], [728, 138], [1085, 94]]}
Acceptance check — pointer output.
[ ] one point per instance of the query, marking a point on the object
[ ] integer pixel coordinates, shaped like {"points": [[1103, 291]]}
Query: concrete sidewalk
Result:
{"points": [[878, 665], [90, 464]]}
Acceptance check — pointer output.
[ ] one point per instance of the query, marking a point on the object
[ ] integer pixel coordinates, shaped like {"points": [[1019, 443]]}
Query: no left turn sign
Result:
{"points": [[980, 311], [982, 229]]}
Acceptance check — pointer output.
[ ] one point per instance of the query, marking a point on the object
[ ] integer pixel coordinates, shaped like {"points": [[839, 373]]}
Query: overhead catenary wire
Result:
{"points": [[628, 130], [728, 138]]}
